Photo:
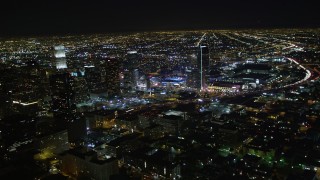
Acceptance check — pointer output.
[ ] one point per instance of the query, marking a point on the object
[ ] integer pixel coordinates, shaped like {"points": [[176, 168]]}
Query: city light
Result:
{"points": [[200, 104]]}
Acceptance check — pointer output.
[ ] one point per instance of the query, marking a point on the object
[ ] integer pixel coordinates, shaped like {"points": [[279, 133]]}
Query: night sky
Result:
{"points": [[98, 16]]}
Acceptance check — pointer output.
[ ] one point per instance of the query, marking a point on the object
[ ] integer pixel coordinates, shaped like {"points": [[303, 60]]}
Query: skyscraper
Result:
{"points": [[62, 93], [95, 78], [203, 65], [132, 59], [59, 53], [111, 68], [130, 68]]}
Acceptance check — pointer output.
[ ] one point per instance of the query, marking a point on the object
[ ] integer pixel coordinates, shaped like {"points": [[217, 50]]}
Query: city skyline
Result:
{"points": [[214, 104], [160, 90]]}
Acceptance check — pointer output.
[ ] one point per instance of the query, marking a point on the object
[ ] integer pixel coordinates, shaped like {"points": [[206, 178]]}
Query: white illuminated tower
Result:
{"points": [[59, 52], [60, 57], [203, 65]]}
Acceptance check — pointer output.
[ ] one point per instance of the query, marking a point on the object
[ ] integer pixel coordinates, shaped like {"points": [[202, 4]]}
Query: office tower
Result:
{"points": [[68, 90], [203, 65], [80, 87], [95, 78], [132, 60], [62, 93], [111, 69], [130, 68], [59, 53]]}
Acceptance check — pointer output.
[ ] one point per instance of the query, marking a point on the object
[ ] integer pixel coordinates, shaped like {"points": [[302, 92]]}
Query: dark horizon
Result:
{"points": [[62, 34], [78, 17]]}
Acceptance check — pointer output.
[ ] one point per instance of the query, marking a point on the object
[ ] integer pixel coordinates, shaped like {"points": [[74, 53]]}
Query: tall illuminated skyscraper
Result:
{"points": [[203, 64], [80, 87], [59, 53]]}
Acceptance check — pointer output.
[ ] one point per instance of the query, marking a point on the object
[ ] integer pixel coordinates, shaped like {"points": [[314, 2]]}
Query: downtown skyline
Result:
{"points": [[159, 90]]}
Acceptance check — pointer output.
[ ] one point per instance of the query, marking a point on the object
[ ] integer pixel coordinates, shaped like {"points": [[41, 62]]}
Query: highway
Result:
{"points": [[201, 39], [308, 73]]}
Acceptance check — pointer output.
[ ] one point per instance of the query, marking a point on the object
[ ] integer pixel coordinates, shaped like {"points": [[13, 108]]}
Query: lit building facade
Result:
{"points": [[112, 76], [62, 92], [203, 65], [130, 70], [60, 57]]}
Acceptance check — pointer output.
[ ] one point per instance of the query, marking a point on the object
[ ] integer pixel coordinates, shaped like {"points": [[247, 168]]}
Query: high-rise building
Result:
{"points": [[104, 76], [80, 87], [130, 68], [111, 69], [62, 93], [59, 54], [132, 60], [95, 77], [59, 51], [68, 90], [203, 65]]}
